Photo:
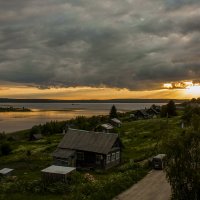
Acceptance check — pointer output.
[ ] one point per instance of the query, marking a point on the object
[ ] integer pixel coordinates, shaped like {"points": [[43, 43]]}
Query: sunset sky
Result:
{"points": [[89, 49]]}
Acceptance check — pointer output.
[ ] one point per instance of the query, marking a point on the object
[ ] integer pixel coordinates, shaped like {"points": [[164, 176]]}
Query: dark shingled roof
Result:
{"points": [[88, 141], [63, 153]]}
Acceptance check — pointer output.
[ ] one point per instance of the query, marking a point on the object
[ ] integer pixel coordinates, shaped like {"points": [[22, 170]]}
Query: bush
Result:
{"points": [[5, 149], [2, 136], [109, 188]]}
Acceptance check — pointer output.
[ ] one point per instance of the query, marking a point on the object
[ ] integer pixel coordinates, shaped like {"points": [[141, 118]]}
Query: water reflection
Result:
{"points": [[12, 121]]}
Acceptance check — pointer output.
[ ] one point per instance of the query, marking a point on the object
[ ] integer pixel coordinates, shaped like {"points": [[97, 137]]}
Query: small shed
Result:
{"points": [[57, 173], [116, 122], [106, 128], [6, 172]]}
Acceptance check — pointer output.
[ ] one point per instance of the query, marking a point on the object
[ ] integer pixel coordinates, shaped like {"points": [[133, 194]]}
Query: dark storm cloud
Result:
{"points": [[136, 44]]}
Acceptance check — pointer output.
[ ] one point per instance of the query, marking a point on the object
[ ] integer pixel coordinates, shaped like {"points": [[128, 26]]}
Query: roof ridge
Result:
{"points": [[73, 129], [97, 142]]}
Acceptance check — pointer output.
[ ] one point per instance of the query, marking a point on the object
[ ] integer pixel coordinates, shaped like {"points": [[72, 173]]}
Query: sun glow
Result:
{"points": [[168, 85], [178, 85], [193, 90], [188, 89]]}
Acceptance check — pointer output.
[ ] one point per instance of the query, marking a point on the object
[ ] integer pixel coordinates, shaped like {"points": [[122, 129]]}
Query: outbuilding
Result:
{"points": [[116, 122], [6, 172], [57, 173], [106, 128]]}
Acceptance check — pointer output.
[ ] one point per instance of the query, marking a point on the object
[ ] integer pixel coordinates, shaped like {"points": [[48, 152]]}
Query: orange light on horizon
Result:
{"points": [[168, 91], [180, 85], [167, 85], [188, 89], [193, 90]]}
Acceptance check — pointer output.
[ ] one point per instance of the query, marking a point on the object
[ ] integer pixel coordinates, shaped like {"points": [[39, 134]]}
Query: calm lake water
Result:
{"points": [[44, 112]]}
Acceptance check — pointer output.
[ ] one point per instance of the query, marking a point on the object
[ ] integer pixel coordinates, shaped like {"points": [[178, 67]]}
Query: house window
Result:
{"points": [[98, 159], [108, 158], [117, 155], [80, 155], [113, 156]]}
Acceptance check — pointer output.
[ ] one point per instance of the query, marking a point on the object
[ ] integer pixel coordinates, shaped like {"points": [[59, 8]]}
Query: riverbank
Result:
{"points": [[46, 112]]}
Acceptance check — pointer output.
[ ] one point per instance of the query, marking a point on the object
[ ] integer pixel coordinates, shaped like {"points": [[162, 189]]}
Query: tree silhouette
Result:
{"points": [[183, 165], [171, 108], [113, 112]]}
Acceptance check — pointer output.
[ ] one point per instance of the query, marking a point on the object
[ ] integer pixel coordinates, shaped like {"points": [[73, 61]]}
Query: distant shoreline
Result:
{"points": [[7, 100], [13, 109]]}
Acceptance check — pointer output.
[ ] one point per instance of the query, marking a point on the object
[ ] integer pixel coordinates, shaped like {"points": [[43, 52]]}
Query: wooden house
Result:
{"points": [[106, 128], [153, 113], [85, 149], [156, 108], [141, 114], [116, 122]]}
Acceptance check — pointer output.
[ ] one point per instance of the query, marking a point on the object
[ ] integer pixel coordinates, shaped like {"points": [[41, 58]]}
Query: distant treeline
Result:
{"points": [[6, 100], [193, 101], [13, 109]]}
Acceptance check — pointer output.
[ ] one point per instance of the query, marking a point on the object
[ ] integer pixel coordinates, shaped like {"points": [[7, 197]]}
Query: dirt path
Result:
{"points": [[153, 187]]}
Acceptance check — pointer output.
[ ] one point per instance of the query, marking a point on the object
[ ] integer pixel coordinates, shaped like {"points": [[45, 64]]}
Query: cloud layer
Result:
{"points": [[134, 44]]}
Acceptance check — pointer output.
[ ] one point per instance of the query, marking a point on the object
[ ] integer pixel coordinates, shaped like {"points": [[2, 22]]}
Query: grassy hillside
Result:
{"points": [[141, 139]]}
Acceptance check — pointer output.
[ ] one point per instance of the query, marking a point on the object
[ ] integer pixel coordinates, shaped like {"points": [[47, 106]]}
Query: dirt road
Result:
{"points": [[153, 187]]}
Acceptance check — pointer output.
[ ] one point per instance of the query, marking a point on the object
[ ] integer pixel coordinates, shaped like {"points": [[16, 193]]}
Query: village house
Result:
{"points": [[156, 108], [152, 112], [116, 122], [86, 149], [106, 128], [141, 114]]}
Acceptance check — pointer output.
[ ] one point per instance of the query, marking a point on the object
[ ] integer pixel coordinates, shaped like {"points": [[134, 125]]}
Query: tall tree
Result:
{"points": [[171, 108], [183, 165], [113, 112]]}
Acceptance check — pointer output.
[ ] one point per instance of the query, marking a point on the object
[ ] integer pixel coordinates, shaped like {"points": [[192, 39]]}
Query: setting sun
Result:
{"points": [[193, 90], [186, 89]]}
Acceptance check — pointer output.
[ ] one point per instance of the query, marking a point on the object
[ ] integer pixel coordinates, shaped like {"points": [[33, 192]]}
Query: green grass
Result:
{"points": [[142, 137], [141, 140], [29, 196]]}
